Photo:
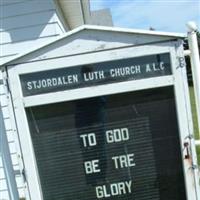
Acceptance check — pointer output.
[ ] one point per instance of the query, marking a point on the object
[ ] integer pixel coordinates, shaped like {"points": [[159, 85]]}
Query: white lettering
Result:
{"points": [[70, 79], [54, 82], [90, 76], [49, 82], [123, 161], [34, 84], [75, 78], [162, 67], [91, 166], [155, 68], [29, 86], [44, 83], [114, 189], [125, 71], [106, 194], [128, 184], [83, 136], [88, 139], [60, 82], [148, 69], [121, 187], [99, 192], [117, 135]]}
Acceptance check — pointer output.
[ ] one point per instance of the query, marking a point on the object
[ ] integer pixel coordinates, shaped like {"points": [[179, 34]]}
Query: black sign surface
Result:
{"points": [[117, 147], [96, 74]]}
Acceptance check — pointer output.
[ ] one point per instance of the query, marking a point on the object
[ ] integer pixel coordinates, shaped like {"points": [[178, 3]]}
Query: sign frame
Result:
{"points": [[178, 80], [96, 74]]}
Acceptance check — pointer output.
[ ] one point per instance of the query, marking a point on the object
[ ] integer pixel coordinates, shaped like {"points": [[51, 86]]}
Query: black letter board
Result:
{"points": [[96, 74], [124, 146]]}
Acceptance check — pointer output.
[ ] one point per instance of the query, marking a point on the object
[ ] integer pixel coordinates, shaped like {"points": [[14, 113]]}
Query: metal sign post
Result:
{"points": [[195, 62], [7, 163]]}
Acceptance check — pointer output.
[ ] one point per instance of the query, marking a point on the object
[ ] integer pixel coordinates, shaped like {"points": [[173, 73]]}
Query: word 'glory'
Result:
{"points": [[93, 76], [114, 189]]}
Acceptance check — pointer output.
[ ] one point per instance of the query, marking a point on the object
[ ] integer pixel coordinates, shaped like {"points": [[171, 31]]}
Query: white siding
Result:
{"points": [[23, 24], [27, 23], [3, 189], [3, 185], [12, 147], [89, 41]]}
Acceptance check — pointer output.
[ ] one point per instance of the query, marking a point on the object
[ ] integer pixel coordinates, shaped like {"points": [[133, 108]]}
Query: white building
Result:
{"points": [[23, 26], [140, 73]]}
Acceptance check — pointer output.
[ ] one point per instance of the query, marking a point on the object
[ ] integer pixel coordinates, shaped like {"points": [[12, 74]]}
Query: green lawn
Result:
{"points": [[194, 114]]}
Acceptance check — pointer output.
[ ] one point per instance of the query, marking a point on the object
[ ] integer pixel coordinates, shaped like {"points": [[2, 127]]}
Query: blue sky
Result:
{"points": [[163, 15]]}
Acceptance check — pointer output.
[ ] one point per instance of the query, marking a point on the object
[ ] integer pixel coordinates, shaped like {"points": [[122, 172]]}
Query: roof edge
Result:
{"points": [[41, 46], [130, 30], [94, 27]]}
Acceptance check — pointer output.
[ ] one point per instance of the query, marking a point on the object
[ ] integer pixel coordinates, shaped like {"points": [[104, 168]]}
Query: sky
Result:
{"points": [[162, 15]]}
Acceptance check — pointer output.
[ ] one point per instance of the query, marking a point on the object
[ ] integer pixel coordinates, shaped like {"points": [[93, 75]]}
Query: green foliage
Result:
{"points": [[194, 115]]}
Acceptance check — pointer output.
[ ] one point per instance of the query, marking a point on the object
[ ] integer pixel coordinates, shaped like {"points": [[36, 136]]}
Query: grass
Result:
{"points": [[194, 115]]}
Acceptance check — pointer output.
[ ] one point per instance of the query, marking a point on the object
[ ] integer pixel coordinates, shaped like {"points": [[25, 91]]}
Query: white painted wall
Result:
{"points": [[3, 185], [24, 24], [5, 101], [27, 23]]}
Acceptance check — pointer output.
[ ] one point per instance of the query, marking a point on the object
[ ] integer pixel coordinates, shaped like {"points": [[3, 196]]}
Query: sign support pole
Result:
{"points": [[195, 63], [7, 163]]}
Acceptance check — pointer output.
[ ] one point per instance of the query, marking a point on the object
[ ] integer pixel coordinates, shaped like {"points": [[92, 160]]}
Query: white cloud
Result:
{"points": [[162, 15]]}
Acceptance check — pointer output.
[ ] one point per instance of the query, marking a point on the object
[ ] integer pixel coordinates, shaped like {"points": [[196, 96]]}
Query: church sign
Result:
{"points": [[109, 147], [105, 124], [96, 74]]}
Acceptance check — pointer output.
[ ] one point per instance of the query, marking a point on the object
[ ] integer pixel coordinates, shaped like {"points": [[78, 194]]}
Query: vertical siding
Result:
{"points": [[25, 24]]}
